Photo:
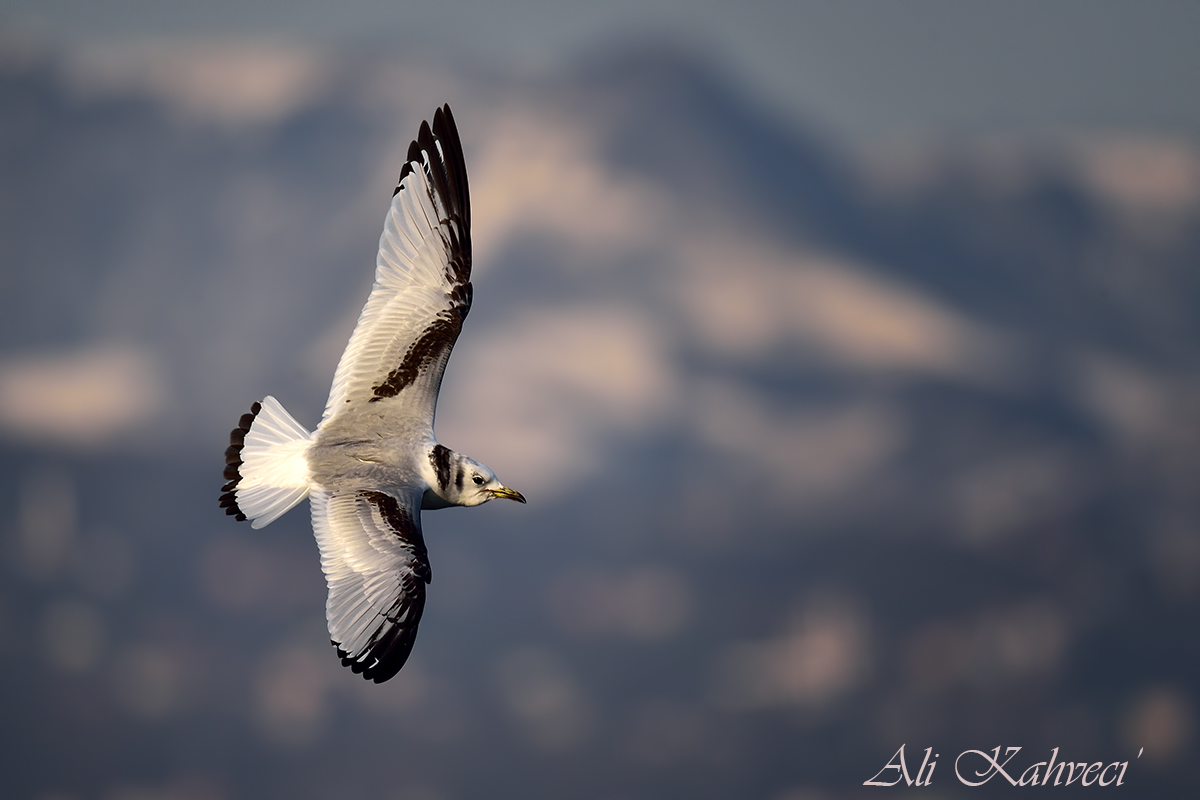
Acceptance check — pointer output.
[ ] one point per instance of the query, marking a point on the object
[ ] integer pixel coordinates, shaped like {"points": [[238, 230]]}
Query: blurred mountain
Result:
{"points": [[827, 451]]}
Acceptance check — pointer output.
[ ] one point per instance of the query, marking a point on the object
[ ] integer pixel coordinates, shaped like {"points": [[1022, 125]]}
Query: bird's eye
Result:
{"points": [[478, 480]]}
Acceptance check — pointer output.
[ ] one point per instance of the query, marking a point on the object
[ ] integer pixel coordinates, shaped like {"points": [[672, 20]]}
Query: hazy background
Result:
{"points": [[847, 354]]}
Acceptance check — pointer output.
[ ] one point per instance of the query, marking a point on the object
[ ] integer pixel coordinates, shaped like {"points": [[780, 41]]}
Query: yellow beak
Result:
{"points": [[504, 491]]}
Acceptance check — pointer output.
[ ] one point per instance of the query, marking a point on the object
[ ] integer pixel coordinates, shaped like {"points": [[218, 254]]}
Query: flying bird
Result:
{"points": [[373, 463]]}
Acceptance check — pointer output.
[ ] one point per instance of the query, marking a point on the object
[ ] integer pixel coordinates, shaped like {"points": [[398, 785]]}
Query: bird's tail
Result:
{"points": [[266, 465]]}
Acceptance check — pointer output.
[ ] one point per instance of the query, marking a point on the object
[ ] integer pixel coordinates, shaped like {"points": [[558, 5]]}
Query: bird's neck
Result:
{"points": [[443, 474]]}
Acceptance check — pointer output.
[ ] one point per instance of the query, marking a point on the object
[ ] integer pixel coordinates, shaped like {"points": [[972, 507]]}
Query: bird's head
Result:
{"points": [[479, 484]]}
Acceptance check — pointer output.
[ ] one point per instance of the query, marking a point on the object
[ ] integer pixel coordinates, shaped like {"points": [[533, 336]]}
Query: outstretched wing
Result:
{"points": [[376, 565], [422, 291]]}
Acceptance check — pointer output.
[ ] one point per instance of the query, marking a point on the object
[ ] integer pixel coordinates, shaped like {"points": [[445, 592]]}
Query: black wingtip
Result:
{"points": [[233, 463], [452, 177], [446, 130], [377, 671]]}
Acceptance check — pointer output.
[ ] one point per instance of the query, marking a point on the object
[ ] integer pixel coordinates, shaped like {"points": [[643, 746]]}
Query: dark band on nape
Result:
{"points": [[389, 647], [440, 457], [233, 463]]}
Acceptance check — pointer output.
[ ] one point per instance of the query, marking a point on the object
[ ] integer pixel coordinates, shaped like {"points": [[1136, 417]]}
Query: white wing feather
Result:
{"points": [[375, 562], [422, 289]]}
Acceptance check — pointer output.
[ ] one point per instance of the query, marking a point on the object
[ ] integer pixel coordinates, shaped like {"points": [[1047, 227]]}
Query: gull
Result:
{"points": [[373, 463]]}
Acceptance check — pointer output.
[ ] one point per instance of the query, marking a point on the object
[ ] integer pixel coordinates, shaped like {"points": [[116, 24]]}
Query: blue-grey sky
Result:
{"points": [[863, 68]]}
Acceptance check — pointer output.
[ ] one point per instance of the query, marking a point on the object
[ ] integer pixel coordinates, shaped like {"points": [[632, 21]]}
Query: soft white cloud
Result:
{"points": [[292, 693], [48, 521], [146, 681], [80, 398], [1162, 721], [1018, 491], [227, 82], [744, 298], [824, 655], [1141, 173], [536, 173], [1028, 640], [1141, 409], [538, 689], [74, 635], [646, 602], [795, 454], [663, 731], [544, 393]]}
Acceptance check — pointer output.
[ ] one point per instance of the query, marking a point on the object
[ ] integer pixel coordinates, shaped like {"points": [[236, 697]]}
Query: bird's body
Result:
{"points": [[373, 463]]}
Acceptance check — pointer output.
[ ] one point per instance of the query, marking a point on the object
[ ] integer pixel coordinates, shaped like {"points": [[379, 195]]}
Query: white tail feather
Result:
{"points": [[274, 468]]}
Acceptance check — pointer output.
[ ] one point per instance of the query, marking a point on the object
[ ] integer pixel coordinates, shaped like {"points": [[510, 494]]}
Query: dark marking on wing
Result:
{"points": [[414, 157], [389, 647], [233, 463], [440, 458], [437, 151], [432, 347], [401, 522]]}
